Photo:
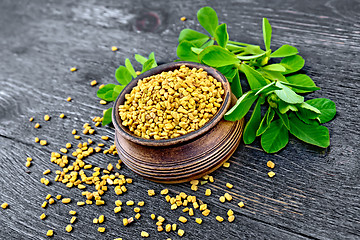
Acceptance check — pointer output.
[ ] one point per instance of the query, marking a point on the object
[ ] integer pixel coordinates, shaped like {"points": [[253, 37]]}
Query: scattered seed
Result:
{"points": [[130, 203], [198, 220], [241, 204], [220, 219], [68, 99], [144, 234], [231, 218], [151, 192], [42, 216], [164, 191], [182, 219], [181, 232], [226, 164], [101, 229], [73, 69], [47, 171], [93, 83], [37, 125], [113, 48], [183, 19], [4, 205], [228, 196], [31, 119], [62, 115], [50, 233], [229, 185], [101, 218], [271, 174], [46, 117], [68, 228], [43, 142], [28, 164], [37, 140], [66, 200], [51, 201], [72, 220], [142, 203], [103, 102], [208, 192]]}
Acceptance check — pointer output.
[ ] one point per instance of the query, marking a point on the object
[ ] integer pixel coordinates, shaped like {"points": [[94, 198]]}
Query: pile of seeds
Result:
{"points": [[171, 104]]}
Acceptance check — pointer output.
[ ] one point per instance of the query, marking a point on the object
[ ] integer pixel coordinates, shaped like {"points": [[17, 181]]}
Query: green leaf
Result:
{"points": [[221, 35], [236, 85], [255, 79], [275, 68], [314, 134], [267, 33], [148, 65], [185, 53], [242, 106], [253, 124], [196, 50], [267, 89], [288, 95], [219, 57], [284, 107], [103, 93], [228, 71], [284, 51], [284, 118], [195, 37], [234, 48], [275, 138], [301, 83], [107, 117], [265, 122], [208, 19], [140, 59], [326, 107], [122, 75], [117, 90], [251, 56], [307, 111], [208, 44], [275, 76], [292, 63], [130, 68], [152, 56]]}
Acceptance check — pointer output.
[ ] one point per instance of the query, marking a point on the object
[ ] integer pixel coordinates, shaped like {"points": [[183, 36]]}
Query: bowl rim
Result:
{"points": [[125, 132]]}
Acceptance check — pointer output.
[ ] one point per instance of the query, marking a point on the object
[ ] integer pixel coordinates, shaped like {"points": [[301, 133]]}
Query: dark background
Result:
{"points": [[315, 193]]}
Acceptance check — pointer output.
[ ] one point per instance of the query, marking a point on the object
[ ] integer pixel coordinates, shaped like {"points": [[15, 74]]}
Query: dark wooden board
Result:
{"points": [[315, 193]]}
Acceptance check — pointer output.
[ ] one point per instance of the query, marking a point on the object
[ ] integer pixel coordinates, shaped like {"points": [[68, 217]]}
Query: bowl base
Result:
{"points": [[183, 162]]}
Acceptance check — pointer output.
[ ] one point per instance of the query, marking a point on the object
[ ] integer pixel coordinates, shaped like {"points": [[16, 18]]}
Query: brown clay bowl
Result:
{"points": [[186, 157]]}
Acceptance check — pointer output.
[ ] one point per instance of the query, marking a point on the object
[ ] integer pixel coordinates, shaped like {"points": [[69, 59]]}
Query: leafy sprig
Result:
{"points": [[274, 86], [124, 75]]}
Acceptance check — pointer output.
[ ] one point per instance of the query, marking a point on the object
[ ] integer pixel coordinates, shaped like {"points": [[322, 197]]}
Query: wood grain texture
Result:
{"points": [[315, 193]]}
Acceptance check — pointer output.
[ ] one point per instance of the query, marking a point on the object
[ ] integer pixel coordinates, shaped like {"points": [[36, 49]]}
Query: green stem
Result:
{"points": [[239, 43]]}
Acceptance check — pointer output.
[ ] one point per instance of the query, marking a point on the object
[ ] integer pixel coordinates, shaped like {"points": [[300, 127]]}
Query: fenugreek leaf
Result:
{"points": [[148, 65], [116, 91], [107, 117], [253, 124], [284, 107], [326, 107], [301, 88], [265, 122], [236, 88], [255, 79], [288, 95], [284, 118], [242, 106], [307, 111], [314, 134], [208, 19], [267, 33], [268, 89], [274, 68], [241, 57], [195, 37], [284, 51], [219, 57], [122, 75], [228, 71], [301, 80], [140, 59], [152, 56], [103, 93], [221, 35], [130, 68], [275, 138], [185, 53], [292, 63], [208, 44]]}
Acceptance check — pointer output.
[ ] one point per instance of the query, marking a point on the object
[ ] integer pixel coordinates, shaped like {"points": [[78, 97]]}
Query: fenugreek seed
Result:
{"points": [[101, 218], [44, 204], [142, 203], [181, 232], [231, 218], [113, 48], [230, 212], [271, 174], [241, 204], [100, 202], [4, 205], [191, 212], [68, 228], [130, 203], [101, 229], [80, 203], [101, 86], [220, 219], [73, 69], [182, 219], [203, 207], [50, 233], [46, 117], [68, 99], [183, 19], [174, 226], [208, 192], [47, 171], [194, 182], [151, 192], [136, 209], [104, 137], [66, 200], [160, 219], [73, 131], [43, 142], [37, 140], [194, 187], [62, 115], [93, 83], [152, 216], [229, 185], [211, 178], [160, 228], [198, 220], [226, 164], [37, 125], [222, 199], [118, 203], [144, 234], [103, 102], [42, 216], [203, 182], [72, 212], [125, 221], [28, 164], [77, 137], [228, 196], [138, 73], [58, 197], [31, 119], [51, 201], [117, 209]]}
